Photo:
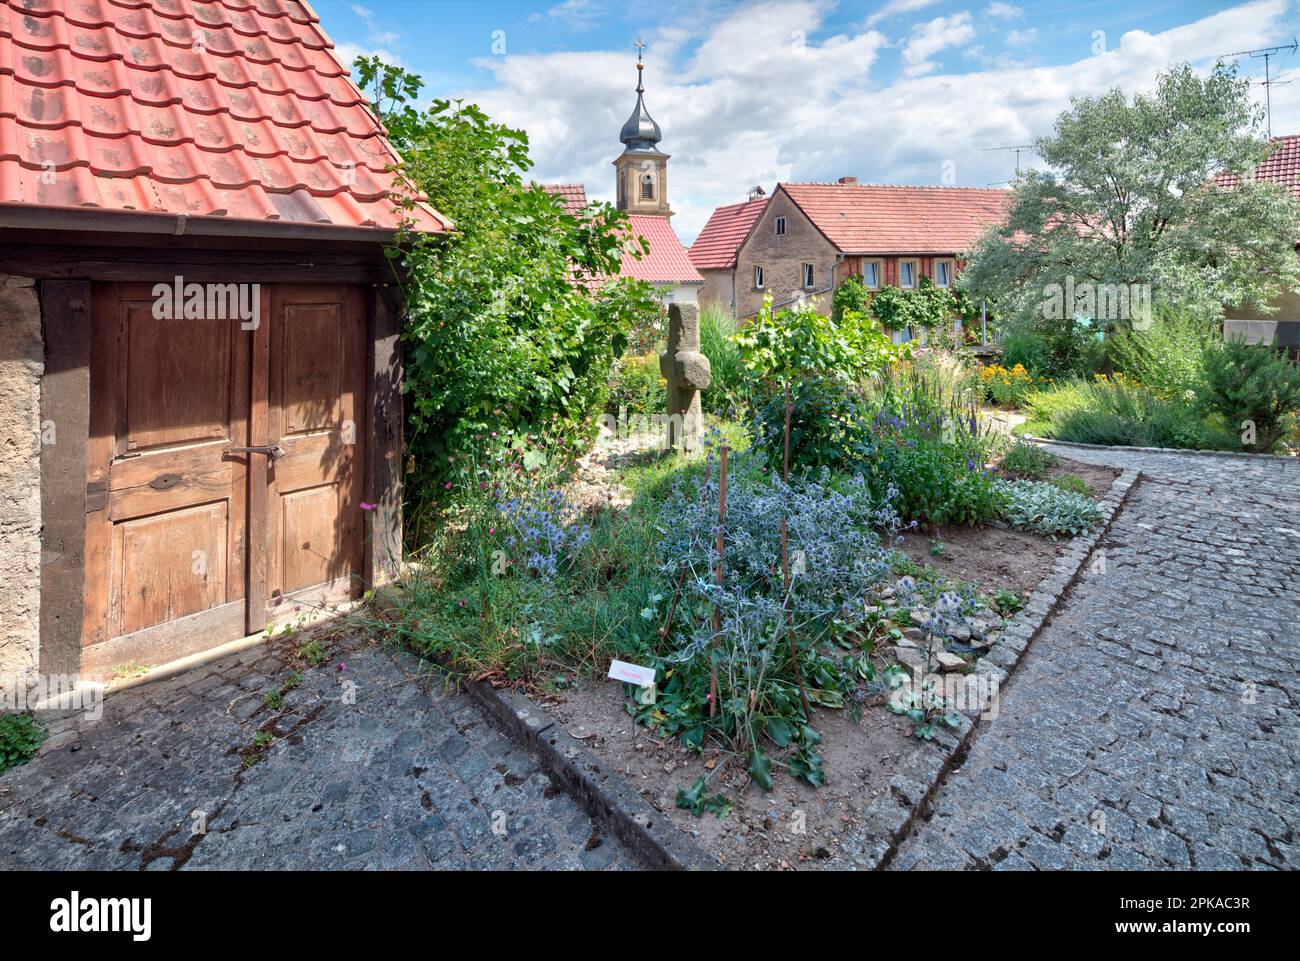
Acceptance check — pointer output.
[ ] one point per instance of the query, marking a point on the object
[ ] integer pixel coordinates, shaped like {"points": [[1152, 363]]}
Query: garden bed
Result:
{"points": [[795, 826], [997, 557]]}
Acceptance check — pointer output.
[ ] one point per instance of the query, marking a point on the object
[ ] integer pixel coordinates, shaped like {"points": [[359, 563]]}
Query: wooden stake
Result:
{"points": [[785, 563], [717, 611]]}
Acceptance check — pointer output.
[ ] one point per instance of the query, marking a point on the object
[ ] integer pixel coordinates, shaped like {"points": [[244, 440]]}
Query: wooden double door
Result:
{"points": [[224, 468]]}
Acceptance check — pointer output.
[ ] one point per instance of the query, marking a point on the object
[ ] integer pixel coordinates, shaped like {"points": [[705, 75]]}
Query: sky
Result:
{"points": [[754, 93]]}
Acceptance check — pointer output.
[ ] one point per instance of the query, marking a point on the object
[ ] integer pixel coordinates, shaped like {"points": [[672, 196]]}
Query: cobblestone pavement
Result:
{"points": [[1155, 723], [407, 775]]}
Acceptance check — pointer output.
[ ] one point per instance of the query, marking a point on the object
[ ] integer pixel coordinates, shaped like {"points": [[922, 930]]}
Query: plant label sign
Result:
{"points": [[632, 674]]}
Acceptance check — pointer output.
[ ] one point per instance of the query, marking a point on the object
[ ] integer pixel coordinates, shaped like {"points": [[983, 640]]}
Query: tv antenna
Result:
{"points": [[1018, 148], [1267, 53]]}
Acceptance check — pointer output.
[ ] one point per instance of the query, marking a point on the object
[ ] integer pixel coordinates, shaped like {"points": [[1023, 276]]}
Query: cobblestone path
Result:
{"points": [[371, 766], [1155, 723]]}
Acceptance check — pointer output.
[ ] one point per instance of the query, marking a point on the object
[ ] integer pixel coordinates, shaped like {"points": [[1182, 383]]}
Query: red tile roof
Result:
{"points": [[885, 219], [1282, 166], [667, 262], [226, 108], [719, 242], [573, 196]]}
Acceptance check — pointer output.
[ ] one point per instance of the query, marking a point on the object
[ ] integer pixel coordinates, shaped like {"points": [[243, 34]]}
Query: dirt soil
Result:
{"points": [[794, 827]]}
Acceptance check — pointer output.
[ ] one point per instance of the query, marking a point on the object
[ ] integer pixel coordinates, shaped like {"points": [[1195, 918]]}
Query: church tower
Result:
{"points": [[641, 174]]}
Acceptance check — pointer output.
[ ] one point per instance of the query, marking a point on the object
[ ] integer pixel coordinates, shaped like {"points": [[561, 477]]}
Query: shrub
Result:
{"points": [[1121, 412], [1027, 350], [1254, 389], [1168, 355], [839, 561], [1028, 461], [931, 449], [1007, 388], [499, 338], [20, 738], [637, 386], [727, 393], [829, 427], [1046, 509], [850, 295]]}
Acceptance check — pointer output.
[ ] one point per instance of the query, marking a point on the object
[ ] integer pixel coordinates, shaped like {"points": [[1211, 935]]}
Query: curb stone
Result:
{"points": [[888, 819], [1243, 455], [605, 795]]}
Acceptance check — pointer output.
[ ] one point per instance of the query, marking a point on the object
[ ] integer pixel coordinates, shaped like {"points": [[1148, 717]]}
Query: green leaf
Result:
{"points": [[760, 769]]}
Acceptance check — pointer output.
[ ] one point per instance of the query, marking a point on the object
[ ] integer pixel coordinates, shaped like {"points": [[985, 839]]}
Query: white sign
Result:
{"points": [[632, 674]]}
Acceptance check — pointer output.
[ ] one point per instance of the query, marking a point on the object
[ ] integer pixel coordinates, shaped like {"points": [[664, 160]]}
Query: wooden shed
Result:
{"points": [[200, 409]]}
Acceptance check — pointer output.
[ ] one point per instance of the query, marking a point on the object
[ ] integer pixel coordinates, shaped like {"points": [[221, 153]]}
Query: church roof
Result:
{"points": [[640, 132], [890, 219], [720, 240], [667, 262]]}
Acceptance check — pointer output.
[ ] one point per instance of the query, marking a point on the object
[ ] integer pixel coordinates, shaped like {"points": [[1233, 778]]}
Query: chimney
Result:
{"points": [[848, 180]]}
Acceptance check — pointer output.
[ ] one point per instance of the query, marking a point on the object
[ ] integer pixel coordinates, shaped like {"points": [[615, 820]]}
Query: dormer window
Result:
{"points": [[647, 187]]}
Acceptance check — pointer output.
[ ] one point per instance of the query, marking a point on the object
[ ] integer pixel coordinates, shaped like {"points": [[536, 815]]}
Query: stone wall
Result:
{"points": [[22, 361], [782, 257]]}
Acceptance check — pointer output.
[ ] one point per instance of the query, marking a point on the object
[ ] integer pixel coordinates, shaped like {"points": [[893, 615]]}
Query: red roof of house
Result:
{"points": [[886, 219], [1282, 166], [573, 196], [719, 242], [667, 262], [236, 109]]}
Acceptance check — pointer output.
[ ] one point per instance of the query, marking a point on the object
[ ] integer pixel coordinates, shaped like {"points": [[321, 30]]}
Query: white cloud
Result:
{"points": [[1003, 11], [928, 39], [575, 14], [751, 105], [895, 7], [347, 52], [1021, 38]]}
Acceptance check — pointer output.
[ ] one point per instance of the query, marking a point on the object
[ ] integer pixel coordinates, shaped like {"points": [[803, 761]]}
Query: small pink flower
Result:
{"points": [[492, 530], [342, 667], [368, 507], [461, 602], [447, 485]]}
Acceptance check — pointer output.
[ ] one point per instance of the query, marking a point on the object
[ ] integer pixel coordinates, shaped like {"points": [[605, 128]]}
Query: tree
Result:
{"points": [[502, 344], [1129, 198]]}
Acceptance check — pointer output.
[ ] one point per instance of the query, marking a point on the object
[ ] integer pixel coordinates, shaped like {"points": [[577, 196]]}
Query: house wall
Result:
{"points": [[22, 361], [1282, 327], [782, 257], [716, 291]]}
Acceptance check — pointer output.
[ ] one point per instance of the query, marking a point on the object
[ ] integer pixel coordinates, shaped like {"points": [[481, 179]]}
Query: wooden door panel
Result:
{"points": [[317, 382], [176, 380], [171, 564], [189, 544], [166, 509]]}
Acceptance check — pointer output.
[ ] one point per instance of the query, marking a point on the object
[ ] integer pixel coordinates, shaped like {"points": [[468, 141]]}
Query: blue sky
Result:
{"points": [[904, 91]]}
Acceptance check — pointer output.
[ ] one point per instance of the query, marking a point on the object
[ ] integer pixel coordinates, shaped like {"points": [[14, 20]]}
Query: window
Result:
{"points": [[647, 187], [871, 274], [907, 273], [758, 277], [808, 276], [780, 226], [943, 273]]}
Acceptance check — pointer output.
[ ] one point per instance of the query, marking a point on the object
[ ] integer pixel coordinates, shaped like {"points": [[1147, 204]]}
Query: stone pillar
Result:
{"points": [[22, 361], [687, 371]]}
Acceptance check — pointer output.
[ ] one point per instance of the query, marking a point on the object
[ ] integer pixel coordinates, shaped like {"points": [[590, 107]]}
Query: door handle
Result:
{"points": [[274, 453]]}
